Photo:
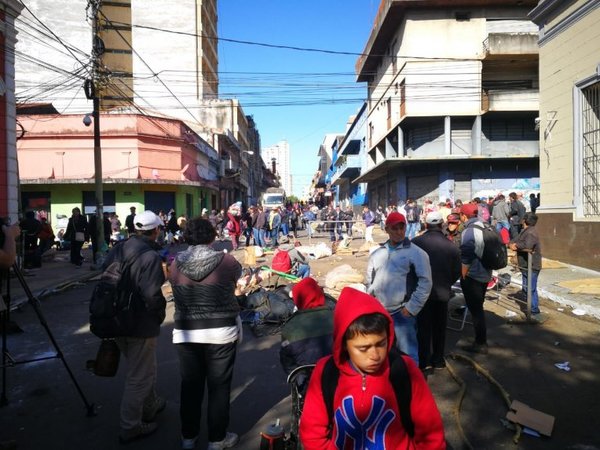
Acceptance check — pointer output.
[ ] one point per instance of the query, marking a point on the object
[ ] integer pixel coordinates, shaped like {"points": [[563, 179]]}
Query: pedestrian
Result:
{"points": [[300, 266], [129, 221], [307, 336], [413, 218], [31, 228], [452, 228], [206, 332], [273, 222], [369, 220], [349, 219], [140, 404], [517, 212], [444, 258], [528, 242], [77, 233], [259, 224], [46, 236], [399, 276], [365, 410], [234, 226], [474, 276]]}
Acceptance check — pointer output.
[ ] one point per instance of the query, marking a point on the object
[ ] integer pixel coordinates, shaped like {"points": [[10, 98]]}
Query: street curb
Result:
{"points": [[19, 301]]}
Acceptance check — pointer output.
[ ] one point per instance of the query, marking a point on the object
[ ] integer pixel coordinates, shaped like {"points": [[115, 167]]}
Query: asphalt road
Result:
{"points": [[44, 410]]}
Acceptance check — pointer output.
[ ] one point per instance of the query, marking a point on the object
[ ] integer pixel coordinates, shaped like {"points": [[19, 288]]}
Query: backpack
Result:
{"points": [[377, 216], [111, 308], [411, 215], [399, 378], [494, 255], [282, 261]]}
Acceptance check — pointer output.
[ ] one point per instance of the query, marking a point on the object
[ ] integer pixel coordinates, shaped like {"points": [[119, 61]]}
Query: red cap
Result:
{"points": [[469, 210], [393, 218], [453, 218]]}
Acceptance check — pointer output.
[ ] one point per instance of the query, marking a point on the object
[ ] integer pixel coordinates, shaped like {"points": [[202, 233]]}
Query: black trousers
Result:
{"points": [[210, 365], [474, 292], [431, 332], [76, 257]]}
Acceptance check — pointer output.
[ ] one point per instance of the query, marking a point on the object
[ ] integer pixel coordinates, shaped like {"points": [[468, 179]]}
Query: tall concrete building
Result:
{"points": [[279, 154], [144, 63]]}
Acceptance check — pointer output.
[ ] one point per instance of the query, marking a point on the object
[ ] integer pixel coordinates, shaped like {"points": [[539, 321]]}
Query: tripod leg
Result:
{"points": [[35, 303]]}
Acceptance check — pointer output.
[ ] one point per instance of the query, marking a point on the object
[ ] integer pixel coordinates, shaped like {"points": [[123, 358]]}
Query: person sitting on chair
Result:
{"points": [[307, 335]]}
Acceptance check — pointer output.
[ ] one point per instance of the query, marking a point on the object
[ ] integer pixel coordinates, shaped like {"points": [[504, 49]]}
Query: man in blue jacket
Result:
{"points": [[399, 276]]}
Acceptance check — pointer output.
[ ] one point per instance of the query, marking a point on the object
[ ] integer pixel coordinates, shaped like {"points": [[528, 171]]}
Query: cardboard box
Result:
{"points": [[531, 418]]}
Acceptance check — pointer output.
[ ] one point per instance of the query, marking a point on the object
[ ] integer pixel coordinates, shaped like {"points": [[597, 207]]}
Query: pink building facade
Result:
{"points": [[147, 162]]}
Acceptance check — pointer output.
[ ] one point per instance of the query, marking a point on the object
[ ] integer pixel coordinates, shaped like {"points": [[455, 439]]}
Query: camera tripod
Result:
{"points": [[9, 361]]}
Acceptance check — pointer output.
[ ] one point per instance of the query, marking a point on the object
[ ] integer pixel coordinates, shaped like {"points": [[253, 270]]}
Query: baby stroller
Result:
{"points": [[298, 380]]}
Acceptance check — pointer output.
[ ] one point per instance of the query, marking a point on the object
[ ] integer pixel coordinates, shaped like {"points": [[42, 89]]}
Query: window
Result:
{"points": [[590, 150]]}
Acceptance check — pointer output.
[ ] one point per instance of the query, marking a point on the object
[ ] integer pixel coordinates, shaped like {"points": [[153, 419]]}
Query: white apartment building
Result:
{"points": [[452, 100], [279, 154], [162, 73]]}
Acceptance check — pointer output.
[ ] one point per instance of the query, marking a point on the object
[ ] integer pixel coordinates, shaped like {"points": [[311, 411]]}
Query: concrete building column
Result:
{"points": [[447, 135], [401, 153], [476, 136]]}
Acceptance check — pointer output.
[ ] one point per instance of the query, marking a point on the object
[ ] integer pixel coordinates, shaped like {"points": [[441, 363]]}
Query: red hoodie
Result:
{"points": [[369, 416], [308, 294]]}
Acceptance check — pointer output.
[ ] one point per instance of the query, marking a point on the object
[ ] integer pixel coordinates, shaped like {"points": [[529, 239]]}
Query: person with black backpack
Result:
{"points": [[474, 275], [364, 394]]}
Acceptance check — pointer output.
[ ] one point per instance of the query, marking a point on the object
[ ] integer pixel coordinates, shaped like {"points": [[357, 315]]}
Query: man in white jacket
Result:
{"points": [[399, 276]]}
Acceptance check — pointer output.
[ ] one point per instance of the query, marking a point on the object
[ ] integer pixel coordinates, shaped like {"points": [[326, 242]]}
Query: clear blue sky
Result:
{"points": [[318, 90]]}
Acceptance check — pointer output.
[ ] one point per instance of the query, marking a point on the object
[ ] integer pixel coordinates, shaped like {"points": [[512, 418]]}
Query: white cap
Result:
{"points": [[146, 221], [434, 218]]}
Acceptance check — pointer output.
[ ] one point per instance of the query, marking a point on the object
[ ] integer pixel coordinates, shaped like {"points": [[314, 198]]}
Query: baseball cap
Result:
{"points": [[434, 218], [453, 218], [146, 221], [393, 218], [469, 210]]}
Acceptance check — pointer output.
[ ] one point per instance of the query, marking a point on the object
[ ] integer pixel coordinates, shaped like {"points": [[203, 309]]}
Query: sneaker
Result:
{"points": [[230, 440], [188, 444], [156, 407], [142, 430], [482, 349], [439, 365]]}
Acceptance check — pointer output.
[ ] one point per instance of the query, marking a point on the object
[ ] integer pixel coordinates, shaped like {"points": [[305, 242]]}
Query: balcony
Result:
{"points": [[508, 45], [349, 168], [510, 100]]}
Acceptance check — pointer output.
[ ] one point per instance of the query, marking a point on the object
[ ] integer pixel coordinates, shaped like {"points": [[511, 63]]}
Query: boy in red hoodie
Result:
{"points": [[365, 409]]}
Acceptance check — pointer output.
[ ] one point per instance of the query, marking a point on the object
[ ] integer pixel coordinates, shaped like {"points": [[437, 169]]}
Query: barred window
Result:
{"points": [[590, 151]]}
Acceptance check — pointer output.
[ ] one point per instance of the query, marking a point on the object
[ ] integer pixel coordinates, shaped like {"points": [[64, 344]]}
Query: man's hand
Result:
{"points": [[464, 271], [405, 312], [12, 231]]}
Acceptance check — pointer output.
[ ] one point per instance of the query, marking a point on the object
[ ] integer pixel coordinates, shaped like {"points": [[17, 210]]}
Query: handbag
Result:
{"points": [[79, 236], [107, 358]]}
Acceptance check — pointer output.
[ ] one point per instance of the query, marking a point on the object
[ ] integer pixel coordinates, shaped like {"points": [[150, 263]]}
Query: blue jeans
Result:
{"points": [[274, 236], [412, 229], [303, 271], [535, 306], [259, 237], [405, 329]]}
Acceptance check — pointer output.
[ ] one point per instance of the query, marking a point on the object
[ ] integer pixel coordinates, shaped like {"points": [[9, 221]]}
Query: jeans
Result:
{"points": [[140, 380], [259, 237], [474, 292], [405, 329], [284, 229], [412, 228], [535, 306], [274, 236], [210, 365], [303, 271]]}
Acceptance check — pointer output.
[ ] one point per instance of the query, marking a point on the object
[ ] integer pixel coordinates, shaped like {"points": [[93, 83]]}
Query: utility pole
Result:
{"points": [[97, 51]]}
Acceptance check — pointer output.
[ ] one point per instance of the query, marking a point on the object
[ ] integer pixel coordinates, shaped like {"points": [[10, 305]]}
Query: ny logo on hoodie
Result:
{"points": [[368, 434]]}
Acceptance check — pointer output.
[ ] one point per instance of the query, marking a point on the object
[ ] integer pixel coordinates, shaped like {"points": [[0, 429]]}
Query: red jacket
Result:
{"points": [[359, 394]]}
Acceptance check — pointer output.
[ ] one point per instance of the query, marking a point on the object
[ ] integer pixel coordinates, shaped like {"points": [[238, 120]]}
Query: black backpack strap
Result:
{"points": [[401, 383], [329, 382]]}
